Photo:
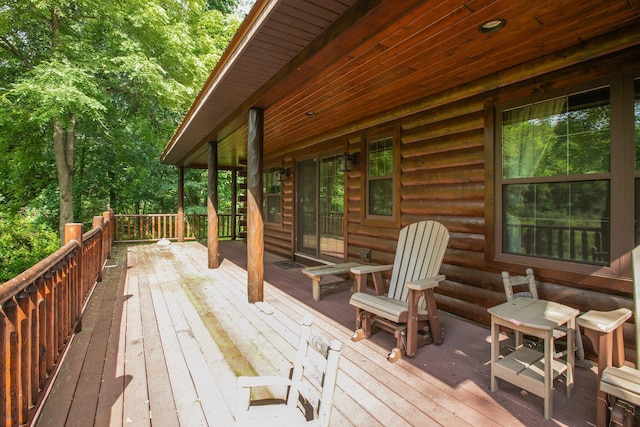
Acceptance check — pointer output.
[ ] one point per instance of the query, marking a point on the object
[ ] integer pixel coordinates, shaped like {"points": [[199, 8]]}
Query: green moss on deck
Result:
{"points": [[234, 357]]}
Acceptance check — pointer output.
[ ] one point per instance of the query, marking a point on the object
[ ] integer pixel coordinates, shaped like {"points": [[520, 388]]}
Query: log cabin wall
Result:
{"points": [[443, 177], [278, 238]]}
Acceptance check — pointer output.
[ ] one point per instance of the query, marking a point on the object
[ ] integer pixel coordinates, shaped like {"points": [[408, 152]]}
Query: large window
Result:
{"points": [[380, 186], [568, 179], [272, 196], [556, 184]]}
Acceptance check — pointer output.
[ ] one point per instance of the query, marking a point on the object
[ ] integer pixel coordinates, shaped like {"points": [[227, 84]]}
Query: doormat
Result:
{"points": [[286, 265]]}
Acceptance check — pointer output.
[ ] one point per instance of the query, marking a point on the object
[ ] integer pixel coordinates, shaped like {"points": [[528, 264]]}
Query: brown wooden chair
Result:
{"points": [[310, 389], [408, 310]]}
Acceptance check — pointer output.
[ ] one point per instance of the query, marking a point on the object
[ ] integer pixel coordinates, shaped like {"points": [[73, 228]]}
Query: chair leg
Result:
{"points": [[434, 320], [395, 355], [363, 326]]}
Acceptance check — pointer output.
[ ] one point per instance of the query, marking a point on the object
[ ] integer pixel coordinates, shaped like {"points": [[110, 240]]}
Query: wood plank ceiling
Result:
{"points": [[348, 64]]}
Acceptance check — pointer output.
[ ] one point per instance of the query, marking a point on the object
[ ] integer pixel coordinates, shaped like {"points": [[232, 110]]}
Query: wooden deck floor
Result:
{"points": [[164, 338]]}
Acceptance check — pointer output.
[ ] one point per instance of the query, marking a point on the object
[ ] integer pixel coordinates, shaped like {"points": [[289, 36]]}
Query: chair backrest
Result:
{"points": [[419, 254], [315, 370], [511, 282]]}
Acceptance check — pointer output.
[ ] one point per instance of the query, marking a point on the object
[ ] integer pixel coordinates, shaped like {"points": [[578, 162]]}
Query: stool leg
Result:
{"points": [[605, 342]]}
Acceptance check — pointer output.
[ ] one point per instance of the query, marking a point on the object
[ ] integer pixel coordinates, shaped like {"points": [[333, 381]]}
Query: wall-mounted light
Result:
{"points": [[282, 174], [492, 25], [347, 161]]}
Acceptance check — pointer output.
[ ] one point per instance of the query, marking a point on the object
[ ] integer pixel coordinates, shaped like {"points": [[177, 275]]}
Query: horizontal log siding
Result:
{"points": [[278, 239], [443, 178], [443, 175]]}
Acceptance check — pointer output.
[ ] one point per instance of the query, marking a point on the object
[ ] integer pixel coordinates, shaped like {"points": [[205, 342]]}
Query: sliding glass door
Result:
{"points": [[320, 208]]}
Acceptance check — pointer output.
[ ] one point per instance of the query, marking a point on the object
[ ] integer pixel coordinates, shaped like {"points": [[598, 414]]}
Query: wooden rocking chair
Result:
{"points": [[409, 309], [310, 389]]}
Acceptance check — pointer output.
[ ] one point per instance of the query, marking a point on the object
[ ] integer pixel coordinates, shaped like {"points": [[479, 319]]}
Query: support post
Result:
{"points": [[255, 229], [234, 204], [212, 206], [180, 224]]}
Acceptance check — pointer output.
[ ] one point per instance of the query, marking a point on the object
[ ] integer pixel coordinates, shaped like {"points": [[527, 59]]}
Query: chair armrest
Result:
{"points": [[360, 274], [424, 284], [365, 269], [263, 381]]}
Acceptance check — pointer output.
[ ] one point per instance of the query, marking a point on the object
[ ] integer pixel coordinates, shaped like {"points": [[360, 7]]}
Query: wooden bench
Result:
{"points": [[317, 273]]}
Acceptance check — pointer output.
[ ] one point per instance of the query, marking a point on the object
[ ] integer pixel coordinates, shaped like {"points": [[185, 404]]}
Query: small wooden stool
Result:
{"points": [[604, 329]]}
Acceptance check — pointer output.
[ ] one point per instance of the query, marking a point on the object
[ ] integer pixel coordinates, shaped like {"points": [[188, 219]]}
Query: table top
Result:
{"points": [[534, 313]]}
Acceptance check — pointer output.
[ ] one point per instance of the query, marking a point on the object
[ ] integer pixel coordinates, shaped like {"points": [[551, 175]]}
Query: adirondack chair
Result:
{"points": [[310, 389], [513, 283], [409, 309]]}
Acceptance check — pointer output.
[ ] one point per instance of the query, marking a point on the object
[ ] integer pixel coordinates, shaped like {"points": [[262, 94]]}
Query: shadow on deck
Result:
{"points": [[164, 338]]}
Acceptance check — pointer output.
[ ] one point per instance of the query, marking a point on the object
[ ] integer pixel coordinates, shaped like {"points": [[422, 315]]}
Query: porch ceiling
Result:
{"points": [[348, 62]]}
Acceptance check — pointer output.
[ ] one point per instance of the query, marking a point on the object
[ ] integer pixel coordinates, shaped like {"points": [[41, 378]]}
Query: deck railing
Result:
{"points": [[580, 244], [151, 227], [41, 309]]}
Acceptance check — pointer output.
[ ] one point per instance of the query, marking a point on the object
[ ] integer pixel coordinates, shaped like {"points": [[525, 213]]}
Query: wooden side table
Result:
{"points": [[525, 367]]}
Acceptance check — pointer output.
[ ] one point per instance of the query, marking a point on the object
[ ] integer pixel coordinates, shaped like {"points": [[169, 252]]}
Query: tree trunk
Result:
{"points": [[63, 148]]}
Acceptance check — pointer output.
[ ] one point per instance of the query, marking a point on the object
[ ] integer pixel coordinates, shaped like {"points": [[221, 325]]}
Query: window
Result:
{"points": [[380, 182], [565, 173], [556, 185], [272, 195]]}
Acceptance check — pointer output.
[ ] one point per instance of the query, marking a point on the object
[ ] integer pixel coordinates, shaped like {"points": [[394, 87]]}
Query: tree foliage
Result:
{"points": [[91, 91], [24, 241]]}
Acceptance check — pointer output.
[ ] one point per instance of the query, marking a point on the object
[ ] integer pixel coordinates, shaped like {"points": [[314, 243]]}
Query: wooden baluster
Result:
{"points": [[59, 311], [50, 333], [34, 370], [5, 396], [41, 331], [13, 385], [25, 314]]}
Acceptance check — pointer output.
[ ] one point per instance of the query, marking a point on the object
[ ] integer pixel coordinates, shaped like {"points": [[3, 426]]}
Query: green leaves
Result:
{"points": [[55, 88], [126, 70]]}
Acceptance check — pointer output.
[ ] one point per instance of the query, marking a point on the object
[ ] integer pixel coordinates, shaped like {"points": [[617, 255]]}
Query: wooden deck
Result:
{"points": [[164, 338]]}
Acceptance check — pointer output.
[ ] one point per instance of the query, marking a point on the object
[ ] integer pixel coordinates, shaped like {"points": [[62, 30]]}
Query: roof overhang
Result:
{"points": [[350, 62]]}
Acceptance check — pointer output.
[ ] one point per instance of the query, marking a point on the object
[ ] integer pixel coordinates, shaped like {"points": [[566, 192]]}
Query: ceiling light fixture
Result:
{"points": [[492, 25]]}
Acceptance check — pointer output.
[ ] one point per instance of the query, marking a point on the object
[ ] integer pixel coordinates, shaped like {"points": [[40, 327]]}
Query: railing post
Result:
{"points": [[109, 218], [98, 221], [73, 231]]}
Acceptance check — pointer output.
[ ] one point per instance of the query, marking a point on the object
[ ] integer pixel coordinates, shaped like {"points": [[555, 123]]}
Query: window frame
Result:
{"points": [[266, 196], [621, 179], [393, 220]]}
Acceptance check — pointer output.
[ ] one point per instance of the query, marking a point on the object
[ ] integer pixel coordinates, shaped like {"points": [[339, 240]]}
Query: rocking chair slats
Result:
{"points": [[312, 382]]}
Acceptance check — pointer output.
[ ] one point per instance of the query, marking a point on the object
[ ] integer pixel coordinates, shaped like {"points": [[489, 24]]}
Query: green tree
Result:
{"points": [[93, 90], [24, 241]]}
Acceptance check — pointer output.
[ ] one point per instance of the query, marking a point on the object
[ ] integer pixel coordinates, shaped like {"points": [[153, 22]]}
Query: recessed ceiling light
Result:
{"points": [[492, 25], [310, 113]]}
